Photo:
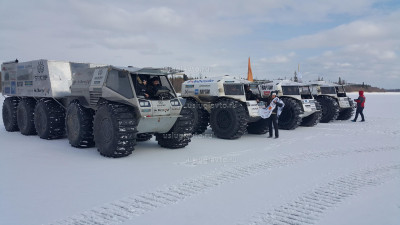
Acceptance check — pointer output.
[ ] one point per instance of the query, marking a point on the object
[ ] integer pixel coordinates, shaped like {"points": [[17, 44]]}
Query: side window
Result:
{"points": [[119, 82], [165, 83]]}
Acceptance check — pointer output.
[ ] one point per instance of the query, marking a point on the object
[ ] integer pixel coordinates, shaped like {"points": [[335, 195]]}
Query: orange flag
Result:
{"points": [[249, 73]]}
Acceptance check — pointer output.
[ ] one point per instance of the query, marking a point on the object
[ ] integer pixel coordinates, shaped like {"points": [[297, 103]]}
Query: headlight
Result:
{"points": [[175, 102], [144, 103], [306, 101]]}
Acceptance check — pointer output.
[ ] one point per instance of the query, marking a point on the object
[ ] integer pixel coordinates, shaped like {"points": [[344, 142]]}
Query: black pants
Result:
{"points": [[273, 119], [359, 111]]}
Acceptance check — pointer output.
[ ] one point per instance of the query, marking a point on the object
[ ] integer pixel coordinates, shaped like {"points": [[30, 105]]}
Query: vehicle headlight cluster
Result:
{"points": [[175, 102], [143, 103]]}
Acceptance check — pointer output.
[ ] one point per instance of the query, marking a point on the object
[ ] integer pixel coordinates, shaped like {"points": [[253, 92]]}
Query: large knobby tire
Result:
{"points": [[49, 119], [25, 116], [290, 117], [228, 119], [115, 128], [9, 113], [329, 108], [143, 137], [311, 120], [201, 116], [180, 134], [346, 114], [79, 125], [258, 127]]}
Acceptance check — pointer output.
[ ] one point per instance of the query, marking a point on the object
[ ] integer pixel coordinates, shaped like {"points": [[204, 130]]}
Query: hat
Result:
{"points": [[273, 93]]}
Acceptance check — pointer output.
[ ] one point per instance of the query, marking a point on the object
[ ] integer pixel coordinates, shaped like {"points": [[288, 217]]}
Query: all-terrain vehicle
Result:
{"points": [[97, 105], [221, 102], [333, 99], [300, 106]]}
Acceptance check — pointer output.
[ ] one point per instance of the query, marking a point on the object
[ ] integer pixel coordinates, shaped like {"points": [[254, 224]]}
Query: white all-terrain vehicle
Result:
{"points": [[221, 102], [93, 105], [334, 101]]}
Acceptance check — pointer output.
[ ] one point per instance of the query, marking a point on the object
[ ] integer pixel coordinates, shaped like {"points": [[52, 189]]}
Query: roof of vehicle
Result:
{"points": [[148, 70]]}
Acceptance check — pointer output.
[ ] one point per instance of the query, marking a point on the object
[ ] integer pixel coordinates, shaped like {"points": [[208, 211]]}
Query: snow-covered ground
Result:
{"points": [[336, 173]]}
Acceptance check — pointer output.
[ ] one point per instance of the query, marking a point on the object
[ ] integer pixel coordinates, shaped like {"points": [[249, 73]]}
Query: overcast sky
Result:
{"points": [[358, 40]]}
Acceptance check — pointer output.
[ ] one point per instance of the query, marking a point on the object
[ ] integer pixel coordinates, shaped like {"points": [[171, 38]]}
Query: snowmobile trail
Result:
{"points": [[307, 208], [136, 205]]}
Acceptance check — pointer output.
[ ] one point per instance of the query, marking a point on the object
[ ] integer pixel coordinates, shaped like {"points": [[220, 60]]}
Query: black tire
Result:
{"points": [[329, 108], [290, 117], [258, 127], [49, 119], [9, 113], [180, 134], [25, 116], [115, 128], [79, 125], [311, 120], [346, 114], [201, 116], [143, 137], [228, 119]]}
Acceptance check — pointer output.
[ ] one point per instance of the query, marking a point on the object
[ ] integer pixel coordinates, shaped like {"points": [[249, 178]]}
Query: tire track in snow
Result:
{"points": [[133, 206], [312, 205]]}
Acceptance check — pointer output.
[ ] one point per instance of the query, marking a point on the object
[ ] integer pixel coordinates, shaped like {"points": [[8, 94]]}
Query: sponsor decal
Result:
{"points": [[146, 110], [201, 81], [28, 83], [189, 86], [205, 91], [41, 77], [97, 82], [189, 91], [40, 67], [20, 84], [162, 110], [204, 85], [41, 90], [196, 91], [85, 82], [7, 90], [267, 92], [13, 87]]}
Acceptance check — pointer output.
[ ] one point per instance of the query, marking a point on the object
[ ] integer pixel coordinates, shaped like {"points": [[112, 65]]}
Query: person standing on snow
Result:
{"points": [[360, 106], [275, 105]]}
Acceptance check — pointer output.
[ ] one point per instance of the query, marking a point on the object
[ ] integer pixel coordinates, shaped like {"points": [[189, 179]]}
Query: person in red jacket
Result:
{"points": [[360, 106]]}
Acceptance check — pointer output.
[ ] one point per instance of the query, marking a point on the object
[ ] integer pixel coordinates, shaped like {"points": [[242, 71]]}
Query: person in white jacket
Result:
{"points": [[275, 105]]}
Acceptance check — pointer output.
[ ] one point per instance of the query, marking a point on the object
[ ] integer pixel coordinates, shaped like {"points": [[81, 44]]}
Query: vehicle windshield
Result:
{"points": [[234, 89], [290, 90], [341, 92], [267, 87], [150, 86], [328, 90], [304, 90], [254, 88], [341, 89]]}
